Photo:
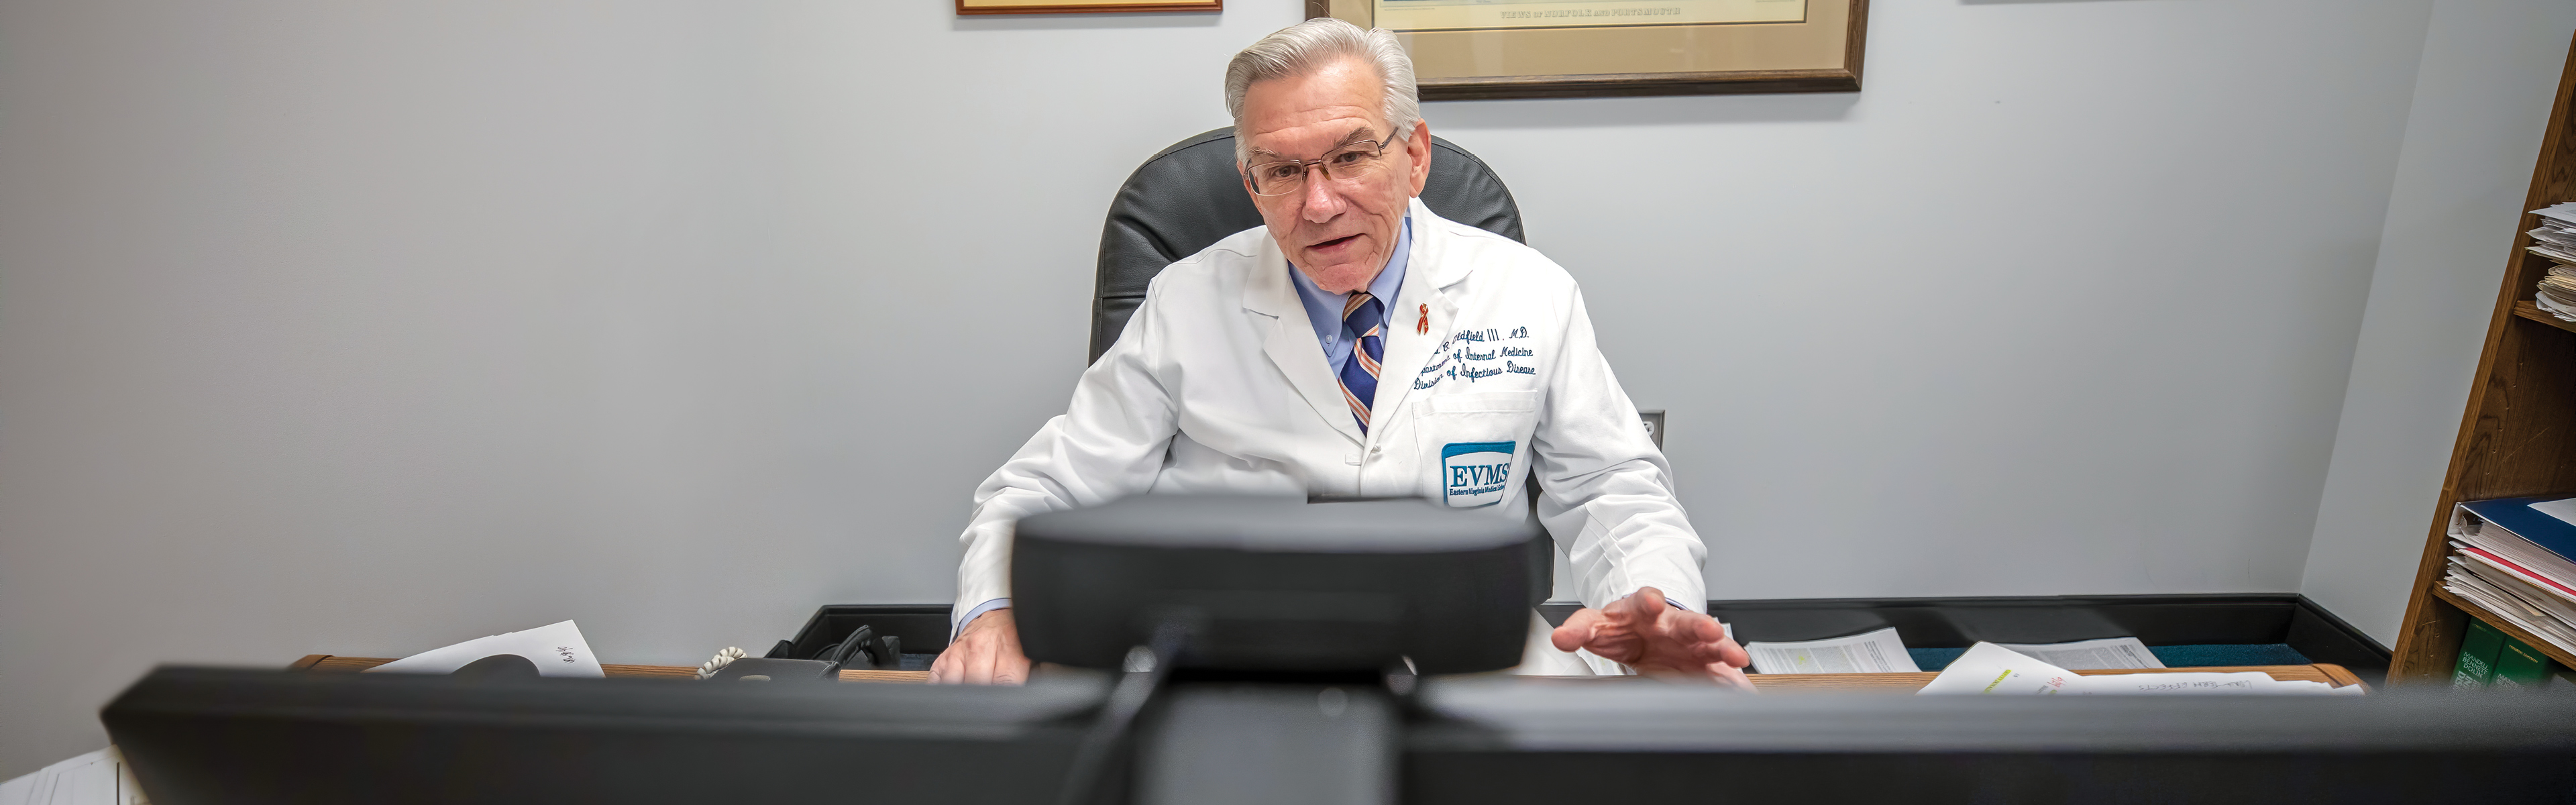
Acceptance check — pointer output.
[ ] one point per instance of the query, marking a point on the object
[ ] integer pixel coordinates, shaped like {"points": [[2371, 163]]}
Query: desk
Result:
{"points": [[2330, 674]]}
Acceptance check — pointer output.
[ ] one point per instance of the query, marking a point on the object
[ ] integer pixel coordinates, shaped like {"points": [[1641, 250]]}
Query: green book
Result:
{"points": [[2520, 667], [2478, 650]]}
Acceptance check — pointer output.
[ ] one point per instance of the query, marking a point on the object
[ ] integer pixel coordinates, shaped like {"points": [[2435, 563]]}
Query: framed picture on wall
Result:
{"points": [[1590, 48], [1082, 6]]}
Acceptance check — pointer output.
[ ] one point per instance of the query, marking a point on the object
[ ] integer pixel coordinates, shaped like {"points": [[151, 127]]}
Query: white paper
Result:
{"points": [[1868, 653], [93, 778], [2507, 606], [2562, 214], [2552, 252], [2544, 600], [2551, 304], [2563, 508], [2090, 655], [2511, 607], [557, 649], [2203, 683], [2180, 682], [1991, 670], [78, 781], [91, 783]]}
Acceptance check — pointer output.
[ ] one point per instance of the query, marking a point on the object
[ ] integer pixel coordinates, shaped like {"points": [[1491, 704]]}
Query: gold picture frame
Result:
{"points": [[1082, 6], [1475, 49]]}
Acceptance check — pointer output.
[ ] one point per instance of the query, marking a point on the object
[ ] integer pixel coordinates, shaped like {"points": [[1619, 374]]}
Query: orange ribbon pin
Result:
{"points": [[1423, 327]]}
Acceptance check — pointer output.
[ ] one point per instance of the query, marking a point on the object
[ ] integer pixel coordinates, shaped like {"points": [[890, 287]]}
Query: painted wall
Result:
{"points": [[362, 329], [2491, 70]]}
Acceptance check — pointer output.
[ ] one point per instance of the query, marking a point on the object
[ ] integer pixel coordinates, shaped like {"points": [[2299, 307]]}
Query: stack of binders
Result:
{"points": [[2489, 659], [2512, 556], [2556, 239]]}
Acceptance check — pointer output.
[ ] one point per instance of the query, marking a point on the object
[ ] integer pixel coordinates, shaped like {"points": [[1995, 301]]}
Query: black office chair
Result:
{"points": [[1190, 196]]}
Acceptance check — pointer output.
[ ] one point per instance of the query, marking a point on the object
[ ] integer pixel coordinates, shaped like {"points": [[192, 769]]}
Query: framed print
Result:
{"points": [[1466, 49], [1082, 6]]}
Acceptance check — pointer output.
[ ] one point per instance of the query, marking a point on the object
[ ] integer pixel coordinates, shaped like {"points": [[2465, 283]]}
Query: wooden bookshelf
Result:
{"points": [[2518, 435], [2532, 311]]}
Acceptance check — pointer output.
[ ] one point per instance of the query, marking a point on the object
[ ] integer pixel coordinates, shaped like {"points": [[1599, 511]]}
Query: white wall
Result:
{"points": [[2491, 70], [364, 328], [2061, 303]]}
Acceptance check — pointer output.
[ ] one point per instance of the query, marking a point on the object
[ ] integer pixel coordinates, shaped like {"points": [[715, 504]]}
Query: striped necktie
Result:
{"points": [[1365, 317]]}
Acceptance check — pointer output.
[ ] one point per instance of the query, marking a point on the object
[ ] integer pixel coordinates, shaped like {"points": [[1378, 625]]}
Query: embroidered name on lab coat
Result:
{"points": [[1460, 349]]}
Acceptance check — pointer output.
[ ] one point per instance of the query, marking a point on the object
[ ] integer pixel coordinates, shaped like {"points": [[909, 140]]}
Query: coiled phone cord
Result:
{"points": [[722, 659]]}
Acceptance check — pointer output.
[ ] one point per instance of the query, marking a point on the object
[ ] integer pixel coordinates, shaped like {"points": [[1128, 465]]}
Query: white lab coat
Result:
{"points": [[1491, 371]]}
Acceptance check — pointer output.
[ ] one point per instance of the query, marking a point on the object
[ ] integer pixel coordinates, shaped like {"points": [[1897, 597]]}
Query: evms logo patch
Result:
{"points": [[1474, 474]]}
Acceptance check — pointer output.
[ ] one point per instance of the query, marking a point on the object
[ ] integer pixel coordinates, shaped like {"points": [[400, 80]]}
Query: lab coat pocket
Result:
{"points": [[1479, 439]]}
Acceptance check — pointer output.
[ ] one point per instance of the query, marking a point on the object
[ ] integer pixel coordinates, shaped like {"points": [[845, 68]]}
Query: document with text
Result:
{"points": [[1865, 653], [557, 649], [2090, 655], [1988, 669]]}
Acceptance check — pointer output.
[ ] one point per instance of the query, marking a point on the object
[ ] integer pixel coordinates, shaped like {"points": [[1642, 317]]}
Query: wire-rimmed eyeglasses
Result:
{"points": [[1349, 163]]}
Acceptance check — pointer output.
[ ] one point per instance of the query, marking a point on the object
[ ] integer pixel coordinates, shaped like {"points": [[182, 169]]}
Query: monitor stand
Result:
{"points": [[1258, 743]]}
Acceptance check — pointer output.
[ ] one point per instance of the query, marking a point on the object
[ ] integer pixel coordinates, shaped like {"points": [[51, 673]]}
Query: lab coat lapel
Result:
{"points": [[1409, 345], [1290, 342]]}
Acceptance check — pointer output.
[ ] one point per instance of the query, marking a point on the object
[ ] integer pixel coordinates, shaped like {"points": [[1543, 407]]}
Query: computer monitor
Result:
{"points": [[1276, 584], [197, 736], [207, 736]]}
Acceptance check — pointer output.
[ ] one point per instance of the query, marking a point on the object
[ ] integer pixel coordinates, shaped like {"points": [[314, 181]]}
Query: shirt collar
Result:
{"points": [[1324, 309]]}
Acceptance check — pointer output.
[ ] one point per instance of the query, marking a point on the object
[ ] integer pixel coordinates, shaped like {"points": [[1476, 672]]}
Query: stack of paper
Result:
{"points": [[2556, 240], [2505, 556], [97, 778], [1989, 669]]}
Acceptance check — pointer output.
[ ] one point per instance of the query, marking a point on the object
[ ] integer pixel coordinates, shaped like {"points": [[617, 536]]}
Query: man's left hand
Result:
{"points": [[1656, 638]]}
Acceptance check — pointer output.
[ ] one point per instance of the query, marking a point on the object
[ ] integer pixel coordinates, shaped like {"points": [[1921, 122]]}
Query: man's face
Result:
{"points": [[1338, 231]]}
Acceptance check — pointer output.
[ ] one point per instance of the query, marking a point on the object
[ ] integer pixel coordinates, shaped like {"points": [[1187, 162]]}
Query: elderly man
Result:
{"points": [[1357, 344]]}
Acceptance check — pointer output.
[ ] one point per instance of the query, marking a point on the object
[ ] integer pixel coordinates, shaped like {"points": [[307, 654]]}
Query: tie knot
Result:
{"points": [[1362, 313]]}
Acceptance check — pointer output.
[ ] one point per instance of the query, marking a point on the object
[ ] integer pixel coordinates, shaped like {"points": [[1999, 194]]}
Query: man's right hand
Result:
{"points": [[986, 652]]}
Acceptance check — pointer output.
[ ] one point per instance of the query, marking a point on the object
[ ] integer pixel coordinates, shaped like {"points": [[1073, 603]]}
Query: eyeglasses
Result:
{"points": [[1347, 164]]}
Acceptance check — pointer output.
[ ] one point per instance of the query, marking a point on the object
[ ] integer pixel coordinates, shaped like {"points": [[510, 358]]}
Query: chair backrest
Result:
{"points": [[1190, 196]]}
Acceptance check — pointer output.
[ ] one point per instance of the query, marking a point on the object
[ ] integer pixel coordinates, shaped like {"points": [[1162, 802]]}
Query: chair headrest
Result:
{"points": [[1190, 196]]}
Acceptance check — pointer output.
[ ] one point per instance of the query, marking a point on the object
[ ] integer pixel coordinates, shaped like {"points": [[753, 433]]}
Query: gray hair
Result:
{"points": [[1309, 46]]}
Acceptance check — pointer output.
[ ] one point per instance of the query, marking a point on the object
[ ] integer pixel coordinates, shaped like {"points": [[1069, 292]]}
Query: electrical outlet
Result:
{"points": [[1654, 426]]}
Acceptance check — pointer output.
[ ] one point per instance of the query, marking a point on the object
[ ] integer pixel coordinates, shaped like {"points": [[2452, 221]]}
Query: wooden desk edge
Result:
{"points": [[2328, 673], [332, 664]]}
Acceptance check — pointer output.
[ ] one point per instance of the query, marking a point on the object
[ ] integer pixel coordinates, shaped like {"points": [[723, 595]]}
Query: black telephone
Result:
{"points": [[861, 648], [864, 649]]}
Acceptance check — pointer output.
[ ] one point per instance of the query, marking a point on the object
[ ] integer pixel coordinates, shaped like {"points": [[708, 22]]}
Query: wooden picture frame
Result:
{"points": [[1082, 6], [1464, 52]]}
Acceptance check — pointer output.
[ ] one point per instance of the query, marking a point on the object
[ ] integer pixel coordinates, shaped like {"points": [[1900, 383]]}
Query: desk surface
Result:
{"points": [[2330, 674]]}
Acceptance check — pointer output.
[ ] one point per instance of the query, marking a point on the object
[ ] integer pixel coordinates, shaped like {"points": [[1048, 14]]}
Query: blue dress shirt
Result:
{"points": [[1324, 310]]}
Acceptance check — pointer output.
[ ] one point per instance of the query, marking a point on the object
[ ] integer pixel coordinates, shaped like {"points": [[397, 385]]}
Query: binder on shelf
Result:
{"points": [[2478, 651], [2520, 667], [2531, 520], [2511, 558]]}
